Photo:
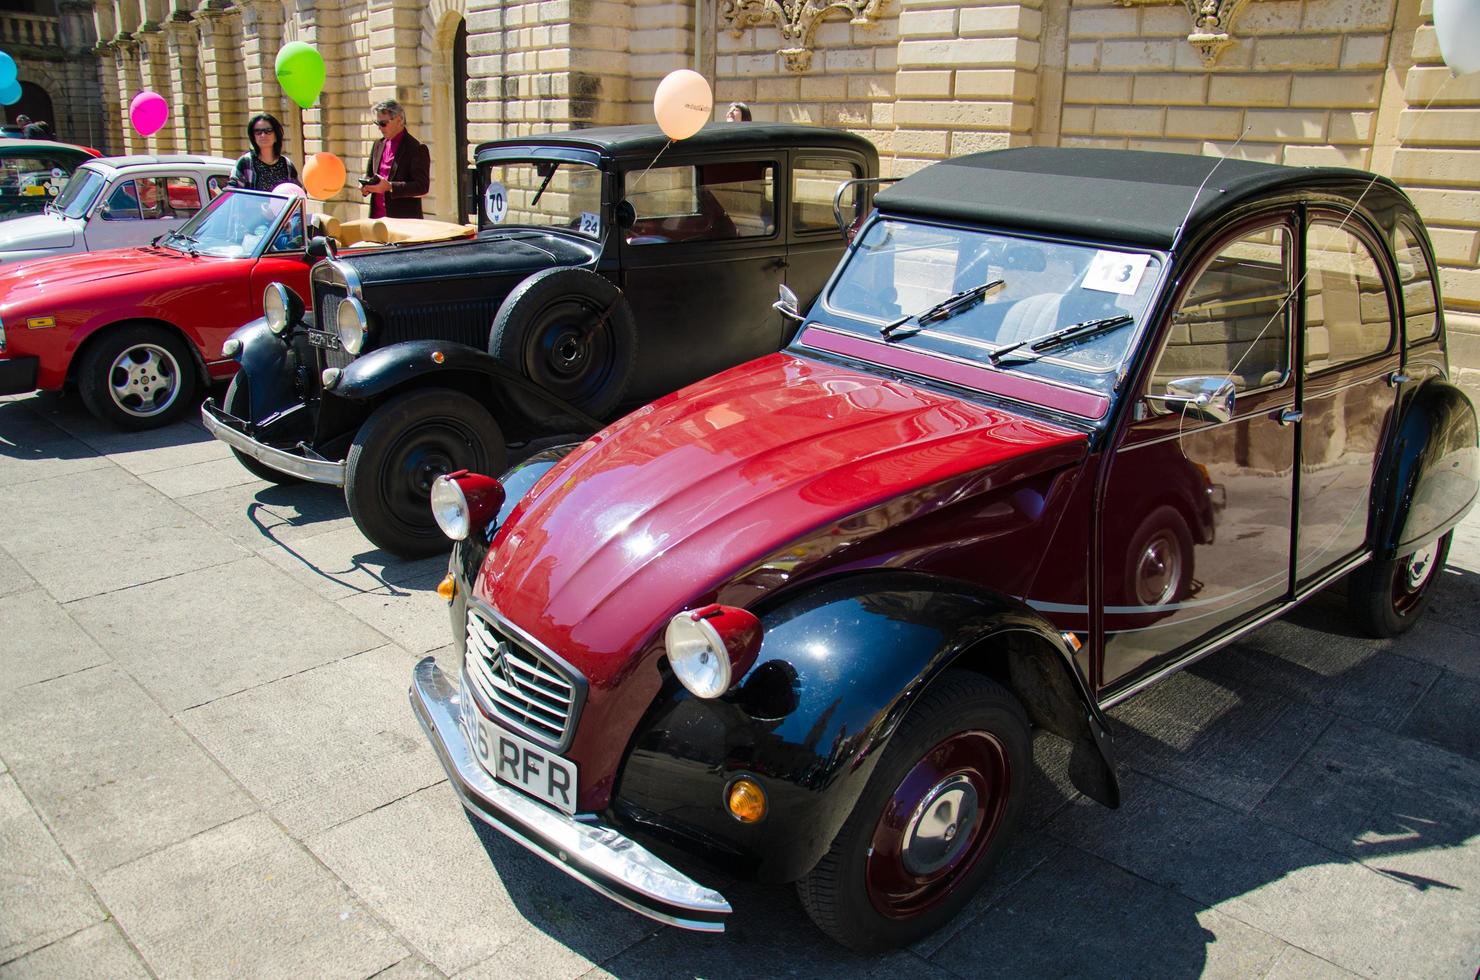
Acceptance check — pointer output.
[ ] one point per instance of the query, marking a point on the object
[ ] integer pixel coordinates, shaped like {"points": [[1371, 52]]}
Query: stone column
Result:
{"points": [[220, 44], [262, 37], [110, 139], [154, 75], [127, 59], [187, 98]]}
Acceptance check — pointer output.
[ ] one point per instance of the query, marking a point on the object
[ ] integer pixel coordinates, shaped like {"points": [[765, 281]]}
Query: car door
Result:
{"points": [[1194, 530], [283, 260], [701, 266], [1349, 357], [133, 211]]}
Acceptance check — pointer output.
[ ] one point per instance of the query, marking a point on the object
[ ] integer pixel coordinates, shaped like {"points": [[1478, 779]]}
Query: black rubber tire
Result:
{"points": [[1381, 598], [1167, 528], [571, 332], [237, 403], [176, 374], [402, 446], [835, 893]]}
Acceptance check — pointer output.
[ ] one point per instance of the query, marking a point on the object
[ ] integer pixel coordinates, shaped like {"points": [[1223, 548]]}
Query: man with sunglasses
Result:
{"points": [[399, 171]]}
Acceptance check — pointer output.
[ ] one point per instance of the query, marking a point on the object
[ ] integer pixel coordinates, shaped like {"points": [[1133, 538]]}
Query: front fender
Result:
{"points": [[838, 668], [1430, 472], [264, 361], [420, 362]]}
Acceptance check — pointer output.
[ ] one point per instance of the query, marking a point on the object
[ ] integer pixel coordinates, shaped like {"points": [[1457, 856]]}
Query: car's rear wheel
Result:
{"points": [[1387, 597], [571, 332], [238, 404], [403, 446], [932, 822], [137, 376]]}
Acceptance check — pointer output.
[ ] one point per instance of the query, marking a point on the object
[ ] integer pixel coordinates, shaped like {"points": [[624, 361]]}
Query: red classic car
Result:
{"points": [[1062, 422], [138, 331]]}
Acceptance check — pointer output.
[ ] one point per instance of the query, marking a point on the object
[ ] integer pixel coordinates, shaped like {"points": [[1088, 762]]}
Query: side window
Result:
{"points": [[215, 185], [290, 236], [1346, 307], [813, 183], [710, 202], [1420, 302], [183, 195], [1234, 321], [122, 203]]}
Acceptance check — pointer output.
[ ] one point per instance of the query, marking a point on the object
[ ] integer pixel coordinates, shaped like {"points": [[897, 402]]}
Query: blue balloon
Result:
{"points": [[7, 71], [10, 93]]}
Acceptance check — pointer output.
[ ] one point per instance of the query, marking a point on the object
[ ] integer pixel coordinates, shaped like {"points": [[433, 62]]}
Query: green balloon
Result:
{"points": [[300, 71]]}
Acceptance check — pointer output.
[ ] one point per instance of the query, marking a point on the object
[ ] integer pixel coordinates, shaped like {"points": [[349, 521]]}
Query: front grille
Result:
{"points": [[326, 297], [519, 685]]}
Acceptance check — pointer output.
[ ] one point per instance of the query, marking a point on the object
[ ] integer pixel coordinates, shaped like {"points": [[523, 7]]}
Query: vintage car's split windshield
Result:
{"points": [[81, 190], [902, 268], [545, 194], [234, 225]]}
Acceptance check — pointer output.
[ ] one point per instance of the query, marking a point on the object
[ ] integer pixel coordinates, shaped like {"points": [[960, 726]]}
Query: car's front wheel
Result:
{"points": [[932, 821], [403, 446], [137, 376], [1387, 597]]}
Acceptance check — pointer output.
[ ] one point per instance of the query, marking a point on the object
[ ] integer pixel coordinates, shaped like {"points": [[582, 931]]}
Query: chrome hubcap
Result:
{"points": [[941, 825], [1420, 567], [144, 380]]}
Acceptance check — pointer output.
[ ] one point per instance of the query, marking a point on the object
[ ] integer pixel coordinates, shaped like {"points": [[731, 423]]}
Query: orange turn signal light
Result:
{"points": [[747, 801], [438, 357], [447, 588]]}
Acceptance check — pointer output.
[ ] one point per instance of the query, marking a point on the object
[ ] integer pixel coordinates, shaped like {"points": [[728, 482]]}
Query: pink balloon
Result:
{"points": [[287, 189], [148, 112]]}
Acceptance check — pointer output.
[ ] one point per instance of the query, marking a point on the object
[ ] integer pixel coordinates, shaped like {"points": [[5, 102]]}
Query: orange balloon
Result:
{"points": [[682, 103], [323, 176]]}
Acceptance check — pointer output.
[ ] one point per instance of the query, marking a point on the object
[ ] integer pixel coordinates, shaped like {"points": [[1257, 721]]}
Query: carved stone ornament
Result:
{"points": [[797, 20], [1212, 23]]}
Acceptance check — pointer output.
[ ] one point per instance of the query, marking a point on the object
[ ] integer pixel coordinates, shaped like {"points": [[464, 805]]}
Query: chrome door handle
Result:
{"points": [[1398, 378], [1290, 415]]}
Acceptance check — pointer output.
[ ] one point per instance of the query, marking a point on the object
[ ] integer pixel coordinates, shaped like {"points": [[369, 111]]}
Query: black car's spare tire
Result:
{"points": [[571, 332]]}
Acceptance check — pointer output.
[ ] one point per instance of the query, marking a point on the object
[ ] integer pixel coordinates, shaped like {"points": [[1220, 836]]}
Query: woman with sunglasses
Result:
{"points": [[264, 167]]}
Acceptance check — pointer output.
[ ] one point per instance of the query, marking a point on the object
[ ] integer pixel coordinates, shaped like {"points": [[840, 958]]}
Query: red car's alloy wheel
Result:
{"points": [[941, 818]]}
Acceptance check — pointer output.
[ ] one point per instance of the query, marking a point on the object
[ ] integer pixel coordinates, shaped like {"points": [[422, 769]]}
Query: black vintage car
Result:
{"points": [[610, 267]]}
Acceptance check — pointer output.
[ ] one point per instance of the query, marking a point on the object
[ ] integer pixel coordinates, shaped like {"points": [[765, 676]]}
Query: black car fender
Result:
{"points": [[383, 373], [1429, 470], [838, 669], [264, 358]]}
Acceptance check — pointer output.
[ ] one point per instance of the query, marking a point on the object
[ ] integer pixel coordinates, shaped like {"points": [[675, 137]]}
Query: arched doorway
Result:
{"points": [[35, 102]]}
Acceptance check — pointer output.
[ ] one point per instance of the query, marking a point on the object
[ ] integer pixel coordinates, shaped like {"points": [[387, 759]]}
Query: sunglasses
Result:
{"points": [[382, 123], [260, 132]]}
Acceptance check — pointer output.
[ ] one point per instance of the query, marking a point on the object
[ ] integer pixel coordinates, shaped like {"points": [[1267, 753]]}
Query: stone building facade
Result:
{"points": [[1350, 82], [52, 44]]}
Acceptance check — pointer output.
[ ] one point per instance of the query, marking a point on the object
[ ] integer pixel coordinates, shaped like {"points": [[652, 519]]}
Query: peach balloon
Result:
{"points": [[683, 103], [323, 176]]}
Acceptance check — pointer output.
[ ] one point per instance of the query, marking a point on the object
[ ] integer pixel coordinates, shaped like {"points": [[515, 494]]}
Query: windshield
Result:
{"points": [[917, 285], [543, 193], [81, 190], [234, 225]]}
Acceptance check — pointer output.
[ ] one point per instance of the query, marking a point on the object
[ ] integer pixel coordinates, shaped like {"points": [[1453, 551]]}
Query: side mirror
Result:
{"points": [[788, 304], [627, 215], [1209, 399], [155, 239], [319, 247]]}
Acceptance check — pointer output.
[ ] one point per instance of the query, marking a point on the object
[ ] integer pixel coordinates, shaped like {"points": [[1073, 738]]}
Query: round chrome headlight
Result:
{"points": [[350, 319], [275, 307], [697, 655], [450, 508]]}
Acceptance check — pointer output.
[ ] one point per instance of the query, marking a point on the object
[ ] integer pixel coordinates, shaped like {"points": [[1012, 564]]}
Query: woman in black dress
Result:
{"points": [[264, 167]]}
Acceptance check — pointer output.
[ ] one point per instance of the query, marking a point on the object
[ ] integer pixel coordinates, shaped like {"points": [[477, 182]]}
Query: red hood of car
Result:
{"points": [[666, 505], [78, 268]]}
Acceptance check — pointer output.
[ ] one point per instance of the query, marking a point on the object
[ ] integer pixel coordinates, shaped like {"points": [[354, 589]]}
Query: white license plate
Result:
{"points": [[519, 762]]}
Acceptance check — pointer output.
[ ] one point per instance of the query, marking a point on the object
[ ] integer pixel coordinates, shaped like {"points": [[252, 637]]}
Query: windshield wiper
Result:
{"points": [[191, 245], [946, 308], [1074, 331], [540, 193]]}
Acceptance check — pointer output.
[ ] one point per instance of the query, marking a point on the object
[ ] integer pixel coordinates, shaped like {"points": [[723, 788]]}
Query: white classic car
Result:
{"points": [[115, 202]]}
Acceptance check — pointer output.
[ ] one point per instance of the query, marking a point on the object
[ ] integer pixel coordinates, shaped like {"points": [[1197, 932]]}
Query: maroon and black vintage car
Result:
{"points": [[1061, 423]]}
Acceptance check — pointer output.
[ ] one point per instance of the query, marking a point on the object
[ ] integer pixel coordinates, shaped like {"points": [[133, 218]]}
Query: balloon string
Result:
{"points": [[633, 189]]}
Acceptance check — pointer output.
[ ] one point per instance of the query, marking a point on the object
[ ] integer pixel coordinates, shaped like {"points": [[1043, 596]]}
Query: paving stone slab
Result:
{"points": [[243, 900], [416, 620], [34, 449], [13, 577], [1296, 964], [1301, 892], [264, 515], [1456, 597], [181, 443], [1449, 715], [41, 897], [1227, 741], [460, 894], [207, 634], [1078, 916], [326, 745], [112, 775], [103, 530], [40, 641], [342, 563], [412, 968], [98, 951], [203, 477]]}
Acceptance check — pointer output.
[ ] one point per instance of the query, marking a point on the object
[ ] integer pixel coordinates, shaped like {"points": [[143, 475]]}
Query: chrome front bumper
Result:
{"points": [[596, 855], [224, 427]]}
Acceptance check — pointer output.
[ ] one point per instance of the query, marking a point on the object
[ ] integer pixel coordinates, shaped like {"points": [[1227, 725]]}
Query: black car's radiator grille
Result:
{"points": [[326, 299], [464, 322]]}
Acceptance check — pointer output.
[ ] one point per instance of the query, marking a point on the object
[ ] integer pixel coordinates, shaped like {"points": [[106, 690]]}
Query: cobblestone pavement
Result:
{"points": [[208, 767]]}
